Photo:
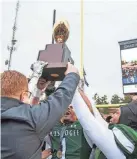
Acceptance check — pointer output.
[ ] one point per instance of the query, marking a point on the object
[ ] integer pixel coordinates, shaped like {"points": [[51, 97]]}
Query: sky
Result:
{"points": [[105, 24]]}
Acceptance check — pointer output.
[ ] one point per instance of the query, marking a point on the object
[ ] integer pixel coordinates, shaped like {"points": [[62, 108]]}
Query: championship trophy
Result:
{"points": [[57, 55]]}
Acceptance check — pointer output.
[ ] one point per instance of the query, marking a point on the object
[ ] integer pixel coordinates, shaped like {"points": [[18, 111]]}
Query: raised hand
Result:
{"points": [[71, 68], [38, 66]]}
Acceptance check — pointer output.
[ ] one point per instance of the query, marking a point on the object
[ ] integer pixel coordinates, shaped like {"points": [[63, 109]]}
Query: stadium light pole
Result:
{"points": [[12, 47]]}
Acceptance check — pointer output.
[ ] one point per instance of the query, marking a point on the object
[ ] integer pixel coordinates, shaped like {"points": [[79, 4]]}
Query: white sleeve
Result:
{"points": [[33, 87], [97, 132], [97, 113], [89, 141]]}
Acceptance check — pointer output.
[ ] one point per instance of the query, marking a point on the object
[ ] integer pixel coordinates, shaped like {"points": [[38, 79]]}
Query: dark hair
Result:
{"points": [[108, 118], [129, 115], [50, 89]]}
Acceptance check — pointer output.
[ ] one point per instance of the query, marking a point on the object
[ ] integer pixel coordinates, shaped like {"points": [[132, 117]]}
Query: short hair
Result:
{"points": [[13, 83], [108, 118]]}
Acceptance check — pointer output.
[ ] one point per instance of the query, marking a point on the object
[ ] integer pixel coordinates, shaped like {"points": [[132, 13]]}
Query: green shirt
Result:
{"points": [[76, 144]]}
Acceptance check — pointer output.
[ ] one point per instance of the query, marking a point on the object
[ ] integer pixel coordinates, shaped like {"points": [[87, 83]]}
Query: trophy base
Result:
{"points": [[54, 71]]}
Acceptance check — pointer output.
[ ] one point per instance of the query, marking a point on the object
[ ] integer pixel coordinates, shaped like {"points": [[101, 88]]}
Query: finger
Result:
{"points": [[49, 151], [69, 64]]}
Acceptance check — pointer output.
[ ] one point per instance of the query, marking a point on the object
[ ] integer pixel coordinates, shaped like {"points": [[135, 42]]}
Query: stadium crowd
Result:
{"points": [[129, 75]]}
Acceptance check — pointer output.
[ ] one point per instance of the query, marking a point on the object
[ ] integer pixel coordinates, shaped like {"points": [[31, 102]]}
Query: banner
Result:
{"points": [[128, 51]]}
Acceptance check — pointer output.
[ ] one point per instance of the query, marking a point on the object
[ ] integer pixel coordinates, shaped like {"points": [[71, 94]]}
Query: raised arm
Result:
{"points": [[46, 114], [91, 105], [37, 85], [86, 100], [96, 131]]}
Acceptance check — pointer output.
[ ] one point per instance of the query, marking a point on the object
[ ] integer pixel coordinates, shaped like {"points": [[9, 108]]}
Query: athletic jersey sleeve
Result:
{"points": [[96, 131], [97, 115]]}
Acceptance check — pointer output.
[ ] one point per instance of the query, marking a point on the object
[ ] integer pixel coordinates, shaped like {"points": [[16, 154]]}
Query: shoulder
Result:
{"points": [[19, 113]]}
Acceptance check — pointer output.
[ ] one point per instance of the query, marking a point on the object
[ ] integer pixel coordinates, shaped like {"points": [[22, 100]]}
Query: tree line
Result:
{"points": [[115, 99]]}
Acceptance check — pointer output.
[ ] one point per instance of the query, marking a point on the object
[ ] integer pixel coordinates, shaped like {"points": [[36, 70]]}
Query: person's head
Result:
{"points": [[50, 89], [134, 97], [115, 117], [14, 85], [69, 116], [108, 118], [126, 115], [42, 83]]}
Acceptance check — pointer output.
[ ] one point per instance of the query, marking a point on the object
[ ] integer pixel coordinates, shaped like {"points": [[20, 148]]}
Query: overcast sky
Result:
{"points": [[105, 24]]}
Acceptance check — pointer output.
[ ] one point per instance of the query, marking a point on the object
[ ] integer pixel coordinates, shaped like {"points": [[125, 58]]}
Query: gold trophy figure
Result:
{"points": [[61, 31], [57, 55]]}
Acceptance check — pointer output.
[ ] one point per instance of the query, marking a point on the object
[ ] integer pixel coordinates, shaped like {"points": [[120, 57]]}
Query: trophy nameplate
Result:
{"points": [[57, 55]]}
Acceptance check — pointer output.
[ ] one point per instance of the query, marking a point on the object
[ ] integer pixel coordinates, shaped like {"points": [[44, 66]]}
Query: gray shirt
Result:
{"points": [[23, 128]]}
